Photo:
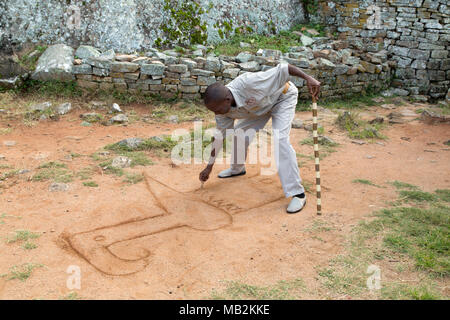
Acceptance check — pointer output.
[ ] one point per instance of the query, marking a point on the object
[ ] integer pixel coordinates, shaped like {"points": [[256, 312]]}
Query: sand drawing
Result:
{"points": [[202, 209]]}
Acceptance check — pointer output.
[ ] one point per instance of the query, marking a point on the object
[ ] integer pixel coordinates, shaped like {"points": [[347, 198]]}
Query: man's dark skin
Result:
{"points": [[224, 105]]}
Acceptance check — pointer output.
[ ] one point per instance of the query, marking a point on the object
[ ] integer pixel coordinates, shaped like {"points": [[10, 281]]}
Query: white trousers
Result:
{"points": [[282, 114]]}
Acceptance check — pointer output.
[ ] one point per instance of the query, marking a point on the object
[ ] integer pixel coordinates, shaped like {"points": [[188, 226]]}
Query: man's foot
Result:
{"points": [[228, 173], [297, 204]]}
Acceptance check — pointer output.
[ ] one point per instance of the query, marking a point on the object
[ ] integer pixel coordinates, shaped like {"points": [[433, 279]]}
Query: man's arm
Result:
{"points": [[313, 84], [217, 143]]}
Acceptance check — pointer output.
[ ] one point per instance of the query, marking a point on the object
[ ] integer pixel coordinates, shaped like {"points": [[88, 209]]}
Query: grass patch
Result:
{"points": [[22, 272], [92, 184], [366, 182], [417, 196], [282, 41], [282, 290], [85, 173], [357, 128], [29, 245], [5, 130], [408, 292], [184, 110], [9, 174], [403, 185], [327, 147], [52, 88], [417, 236], [29, 62], [55, 171], [22, 235], [133, 178]]}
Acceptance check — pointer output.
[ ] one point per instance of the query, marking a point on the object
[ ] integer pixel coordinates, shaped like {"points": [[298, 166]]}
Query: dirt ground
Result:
{"points": [[165, 238]]}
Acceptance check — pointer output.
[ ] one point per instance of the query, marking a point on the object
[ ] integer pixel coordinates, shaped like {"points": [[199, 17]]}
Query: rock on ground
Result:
{"points": [[55, 64]]}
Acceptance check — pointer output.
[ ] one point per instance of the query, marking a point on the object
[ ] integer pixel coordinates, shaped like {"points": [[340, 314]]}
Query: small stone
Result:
{"points": [[84, 52], [377, 120], [41, 106], [85, 124], [116, 108], [358, 142], [244, 45], [173, 119], [243, 57], [369, 157], [64, 108], [57, 186], [297, 124], [131, 143], [408, 113], [251, 66], [125, 57], [124, 67], [213, 64], [120, 118], [306, 41], [178, 68], [121, 162], [325, 63], [153, 69]]}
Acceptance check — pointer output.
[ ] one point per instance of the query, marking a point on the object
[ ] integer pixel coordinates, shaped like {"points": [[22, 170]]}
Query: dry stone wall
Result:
{"points": [[342, 68], [415, 33]]}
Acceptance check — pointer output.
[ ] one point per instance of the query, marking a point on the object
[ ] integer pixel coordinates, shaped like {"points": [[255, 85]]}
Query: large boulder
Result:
{"points": [[55, 64]]}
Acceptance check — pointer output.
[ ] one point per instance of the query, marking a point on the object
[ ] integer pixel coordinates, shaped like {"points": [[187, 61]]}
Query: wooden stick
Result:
{"points": [[316, 156]]}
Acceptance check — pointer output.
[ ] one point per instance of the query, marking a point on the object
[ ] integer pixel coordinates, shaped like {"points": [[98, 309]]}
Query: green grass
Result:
{"points": [[403, 185], [52, 88], [417, 237], [133, 178], [326, 147], [281, 41], [29, 245], [22, 272], [22, 235], [9, 174], [29, 63], [357, 128], [408, 292], [417, 196], [92, 184], [367, 182], [55, 171], [85, 173], [282, 290], [184, 110]]}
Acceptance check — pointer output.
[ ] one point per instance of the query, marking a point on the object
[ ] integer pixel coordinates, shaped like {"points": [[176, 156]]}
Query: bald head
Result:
{"points": [[218, 98]]}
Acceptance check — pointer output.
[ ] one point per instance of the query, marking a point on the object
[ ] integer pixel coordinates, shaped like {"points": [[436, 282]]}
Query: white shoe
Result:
{"points": [[296, 204], [228, 173]]}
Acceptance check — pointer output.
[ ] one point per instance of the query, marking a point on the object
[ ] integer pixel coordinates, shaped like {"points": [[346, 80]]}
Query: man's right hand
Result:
{"points": [[204, 175]]}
